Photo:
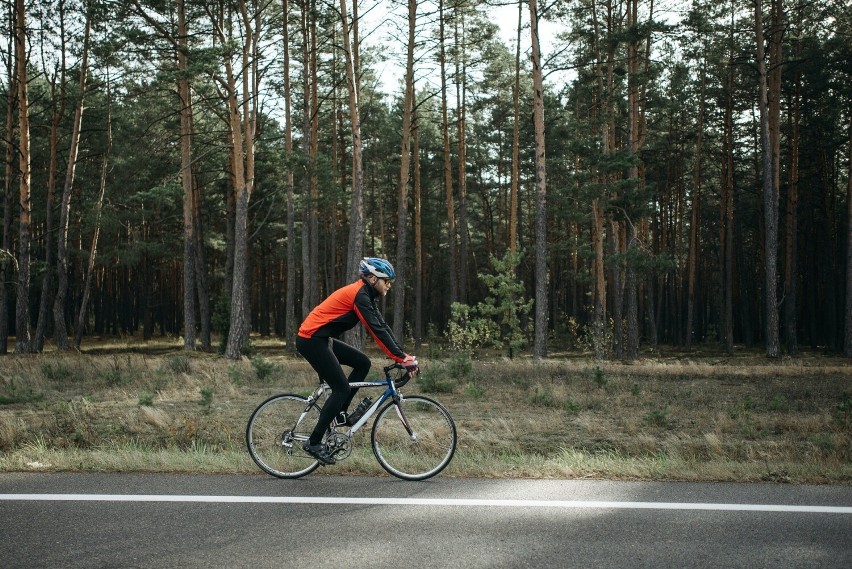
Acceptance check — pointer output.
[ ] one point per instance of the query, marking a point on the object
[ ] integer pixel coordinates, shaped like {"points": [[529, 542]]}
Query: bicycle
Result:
{"points": [[415, 442]]}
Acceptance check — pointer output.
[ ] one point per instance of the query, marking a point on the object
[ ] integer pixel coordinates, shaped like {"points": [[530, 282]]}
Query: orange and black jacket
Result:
{"points": [[343, 309]]}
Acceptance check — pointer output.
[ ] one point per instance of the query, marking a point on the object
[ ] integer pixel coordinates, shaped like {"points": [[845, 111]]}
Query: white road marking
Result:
{"points": [[435, 502]]}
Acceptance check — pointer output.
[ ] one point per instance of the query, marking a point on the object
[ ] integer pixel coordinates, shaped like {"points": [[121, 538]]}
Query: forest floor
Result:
{"points": [[133, 406]]}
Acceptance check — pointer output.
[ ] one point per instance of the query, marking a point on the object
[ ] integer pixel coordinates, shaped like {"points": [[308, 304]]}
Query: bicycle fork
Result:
{"points": [[397, 400]]}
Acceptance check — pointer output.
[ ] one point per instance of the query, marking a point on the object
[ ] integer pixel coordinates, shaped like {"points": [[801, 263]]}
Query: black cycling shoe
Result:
{"points": [[319, 453]]}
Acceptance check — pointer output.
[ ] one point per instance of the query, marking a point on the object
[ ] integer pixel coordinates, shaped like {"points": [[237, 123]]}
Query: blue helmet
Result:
{"points": [[378, 267]]}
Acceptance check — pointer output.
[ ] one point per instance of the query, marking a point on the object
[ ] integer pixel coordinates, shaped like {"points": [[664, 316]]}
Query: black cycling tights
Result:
{"points": [[326, 357]]}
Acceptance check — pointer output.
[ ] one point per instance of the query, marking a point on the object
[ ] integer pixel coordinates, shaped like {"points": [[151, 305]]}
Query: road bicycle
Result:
{"points": [[413, 437]]}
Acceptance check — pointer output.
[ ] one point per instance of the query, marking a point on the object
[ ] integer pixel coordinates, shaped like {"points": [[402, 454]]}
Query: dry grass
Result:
{"points": [[742, 419]]}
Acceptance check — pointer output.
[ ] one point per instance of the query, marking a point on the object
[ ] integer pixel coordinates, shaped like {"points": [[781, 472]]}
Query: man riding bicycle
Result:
{"points": [[318, 342]]}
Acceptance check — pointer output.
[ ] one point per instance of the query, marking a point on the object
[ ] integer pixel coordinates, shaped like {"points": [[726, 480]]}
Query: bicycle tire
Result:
{"points": [[273, 444], [427, 452]]}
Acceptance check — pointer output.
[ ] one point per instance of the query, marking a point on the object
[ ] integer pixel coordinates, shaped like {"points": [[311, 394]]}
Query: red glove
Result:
{"points": [[410, 364]]}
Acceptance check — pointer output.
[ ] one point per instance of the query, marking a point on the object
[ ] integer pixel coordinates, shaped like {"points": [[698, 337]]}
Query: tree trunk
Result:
{"points": [[22, 312], [541, 320], [791, 254], [308, 269], [338, 172], [770, 192], [650, 306], [461, 92], [405, 158], [93, 251], [356, 217], [516, 138], [241, 124], [694, 233], [617, 286], [452, 293], [599, 317], [418, 231], [603, 115], [6, 257], [57, 116], [847, 344], [240, 317], [313, 211], [632, 301], [634, 141], [726, 209], [60, 332], [290, 323], [189, 241], [201, 265]]}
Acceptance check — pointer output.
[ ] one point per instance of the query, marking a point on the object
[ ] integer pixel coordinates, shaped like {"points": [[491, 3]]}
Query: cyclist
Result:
{"points": [[318, 342]]}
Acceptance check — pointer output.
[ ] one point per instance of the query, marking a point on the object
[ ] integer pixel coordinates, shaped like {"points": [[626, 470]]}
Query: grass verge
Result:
{"points": [[663, 419]]}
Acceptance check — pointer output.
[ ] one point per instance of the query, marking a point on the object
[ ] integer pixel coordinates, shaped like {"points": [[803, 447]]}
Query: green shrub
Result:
{"points": [[658, 418], [824, 442], [15, 393], [460, 367], [429, 382], [235, 374], [55, 371], [179, 364], [264, 370], [468, 331], [112, 376], [845, 405], [206, 398], [779, 403], [600, 378], [844, 409], [475, 391], [542, 397], [498, 320], [505, 304]]}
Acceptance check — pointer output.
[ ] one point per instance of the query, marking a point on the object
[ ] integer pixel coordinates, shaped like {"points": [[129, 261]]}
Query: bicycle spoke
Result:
{"points": [[426, 451], [275, 434]]}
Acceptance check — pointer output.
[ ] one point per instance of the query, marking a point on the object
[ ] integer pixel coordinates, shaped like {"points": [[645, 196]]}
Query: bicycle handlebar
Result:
{"points": [[402, 378]]}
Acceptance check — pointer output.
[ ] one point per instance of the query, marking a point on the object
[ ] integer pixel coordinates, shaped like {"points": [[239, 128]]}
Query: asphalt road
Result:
{"points": [[142, 520]]}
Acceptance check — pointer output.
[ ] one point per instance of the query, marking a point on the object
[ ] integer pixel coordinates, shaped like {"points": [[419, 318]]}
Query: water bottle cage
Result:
{"points": [[360, 410]]}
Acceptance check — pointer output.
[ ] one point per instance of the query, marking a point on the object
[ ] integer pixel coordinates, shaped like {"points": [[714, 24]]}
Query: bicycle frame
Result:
{"points": [[421, 450], [391, 392]]}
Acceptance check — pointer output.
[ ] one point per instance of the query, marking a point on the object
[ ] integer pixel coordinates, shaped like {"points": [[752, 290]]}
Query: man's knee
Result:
{"points": [[344, 391], [360, 370]]}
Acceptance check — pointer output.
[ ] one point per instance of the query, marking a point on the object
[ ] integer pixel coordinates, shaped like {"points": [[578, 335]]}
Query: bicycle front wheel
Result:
{"points": [[275, 434], [415, 438]]}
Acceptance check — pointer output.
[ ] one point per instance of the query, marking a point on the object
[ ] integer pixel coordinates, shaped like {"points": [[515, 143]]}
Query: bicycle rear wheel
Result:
{"points": [[276, 431], [414, 439]]}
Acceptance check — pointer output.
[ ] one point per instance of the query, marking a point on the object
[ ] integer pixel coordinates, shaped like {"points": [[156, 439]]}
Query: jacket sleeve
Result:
{"points": [[372, 320]]}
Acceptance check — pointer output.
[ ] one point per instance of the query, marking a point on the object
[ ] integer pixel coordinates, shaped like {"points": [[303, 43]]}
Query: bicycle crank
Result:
{"points": [[338, 445]]}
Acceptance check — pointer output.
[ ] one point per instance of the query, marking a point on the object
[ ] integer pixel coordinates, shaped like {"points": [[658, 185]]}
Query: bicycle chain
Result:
{"points": [[338, 445]]}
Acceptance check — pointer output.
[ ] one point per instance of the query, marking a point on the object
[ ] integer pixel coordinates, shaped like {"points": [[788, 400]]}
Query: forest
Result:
{"points": [[605, 176]]}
